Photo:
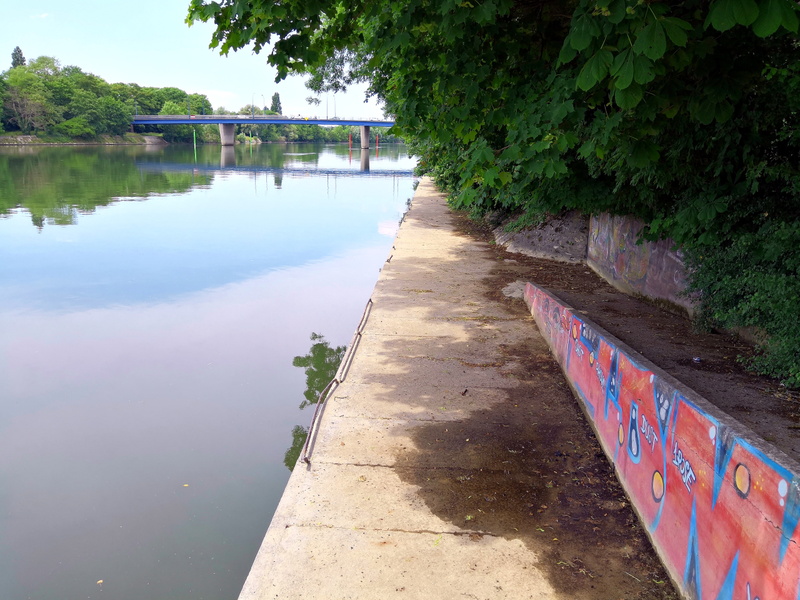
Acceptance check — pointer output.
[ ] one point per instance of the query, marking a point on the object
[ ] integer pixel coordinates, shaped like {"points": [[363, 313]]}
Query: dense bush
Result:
{"points": [[754, 281], [76, 127], [681, 113]]}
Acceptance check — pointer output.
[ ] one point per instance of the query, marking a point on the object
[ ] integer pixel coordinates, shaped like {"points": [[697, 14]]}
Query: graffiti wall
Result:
{"points": [[652, 269], [720, 505]]}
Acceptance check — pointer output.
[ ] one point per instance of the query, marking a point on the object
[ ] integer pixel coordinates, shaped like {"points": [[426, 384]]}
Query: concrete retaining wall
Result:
{"points": [[721, 505], [652, 269]]}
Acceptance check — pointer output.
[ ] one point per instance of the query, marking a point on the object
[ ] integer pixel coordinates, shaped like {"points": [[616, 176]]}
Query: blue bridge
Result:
{"points": [[228, 122]]}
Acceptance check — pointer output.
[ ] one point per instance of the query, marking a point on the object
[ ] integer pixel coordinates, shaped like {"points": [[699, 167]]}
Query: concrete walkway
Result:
{"points": [[427, 477]]}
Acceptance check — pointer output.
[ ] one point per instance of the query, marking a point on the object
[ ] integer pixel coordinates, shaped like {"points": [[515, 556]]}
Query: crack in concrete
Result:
{"points": [[393, 467], [470, 533]]}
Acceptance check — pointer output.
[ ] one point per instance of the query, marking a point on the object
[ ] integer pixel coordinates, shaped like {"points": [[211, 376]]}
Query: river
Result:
{"points": [[157, 310]]}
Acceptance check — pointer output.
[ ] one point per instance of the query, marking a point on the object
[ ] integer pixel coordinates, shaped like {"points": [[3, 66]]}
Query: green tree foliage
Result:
{"points": [[200, 105], [275, 105], [27, 101], [176, 133], [43, 97], [60, 183], [684, 114], [17, 58], [320, 365], [299, 435], [76, 127]]}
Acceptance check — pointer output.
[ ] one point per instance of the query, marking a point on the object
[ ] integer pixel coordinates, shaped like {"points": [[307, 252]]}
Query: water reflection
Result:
{"points": [[218, 226], [146, 388], [299, 436], [320, 364], [55, 185], [227, 156], [308, 163]]}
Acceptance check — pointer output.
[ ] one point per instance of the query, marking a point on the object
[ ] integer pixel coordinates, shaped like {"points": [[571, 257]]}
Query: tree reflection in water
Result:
{"points": [[320, 364]]}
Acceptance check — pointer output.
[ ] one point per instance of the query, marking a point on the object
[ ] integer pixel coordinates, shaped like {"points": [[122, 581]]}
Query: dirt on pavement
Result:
{"points": [[707, 362], [556, 491]]}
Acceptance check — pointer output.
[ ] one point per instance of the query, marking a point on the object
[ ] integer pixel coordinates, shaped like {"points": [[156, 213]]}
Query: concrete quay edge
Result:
{"points": [[348, 526]]}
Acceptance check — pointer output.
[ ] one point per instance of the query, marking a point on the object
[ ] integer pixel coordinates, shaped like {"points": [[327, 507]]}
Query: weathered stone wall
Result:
{"points": [[652, 269]]}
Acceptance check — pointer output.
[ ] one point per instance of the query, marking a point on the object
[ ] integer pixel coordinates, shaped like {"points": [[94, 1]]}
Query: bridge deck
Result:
{"points": [[251, 119]]}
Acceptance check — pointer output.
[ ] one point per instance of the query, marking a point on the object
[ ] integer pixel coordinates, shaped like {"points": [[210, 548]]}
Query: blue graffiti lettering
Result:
{"points": [[684, 466], [649, 433]]}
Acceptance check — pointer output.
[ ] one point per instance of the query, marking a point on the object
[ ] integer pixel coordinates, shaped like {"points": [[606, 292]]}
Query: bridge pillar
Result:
{"points": [[365, 137], [365, 160], [226, 133]]}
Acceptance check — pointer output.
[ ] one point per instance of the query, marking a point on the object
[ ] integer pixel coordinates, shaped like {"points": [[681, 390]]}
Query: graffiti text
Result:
{"points": [[684, 466], [649, 433]]}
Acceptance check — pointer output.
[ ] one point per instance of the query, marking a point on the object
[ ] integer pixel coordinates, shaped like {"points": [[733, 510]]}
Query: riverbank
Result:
{"points": [[129, 139]]}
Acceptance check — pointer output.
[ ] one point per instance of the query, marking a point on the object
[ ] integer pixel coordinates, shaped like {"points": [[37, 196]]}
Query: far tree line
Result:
{"points": [[40, 97]]}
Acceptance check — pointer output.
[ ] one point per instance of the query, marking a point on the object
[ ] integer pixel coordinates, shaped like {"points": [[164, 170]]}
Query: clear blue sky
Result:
{"points": [[148, 42]]}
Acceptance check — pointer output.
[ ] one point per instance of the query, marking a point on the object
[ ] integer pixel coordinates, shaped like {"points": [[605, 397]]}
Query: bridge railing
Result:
{"points": [[253, 118], [215, 117]]}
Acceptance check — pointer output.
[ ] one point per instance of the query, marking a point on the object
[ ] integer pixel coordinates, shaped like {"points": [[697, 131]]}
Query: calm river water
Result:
{"points": [[151, 305]]}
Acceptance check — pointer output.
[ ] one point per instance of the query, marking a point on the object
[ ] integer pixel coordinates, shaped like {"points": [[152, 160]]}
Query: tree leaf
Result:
{"points": [[789, 10], [676, 30], [629, 97], [595, 69], [561, 110], [625, 75], [721, 15], [745, 11], [568, 53], [582, 33], [586, 149], [705, 111], [643, 70], [619, 61], [617, 10], [651, 41], [489, 175]]}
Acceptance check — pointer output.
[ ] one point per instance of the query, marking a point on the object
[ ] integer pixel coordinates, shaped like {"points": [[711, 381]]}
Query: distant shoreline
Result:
{"points": [[129, 139]]}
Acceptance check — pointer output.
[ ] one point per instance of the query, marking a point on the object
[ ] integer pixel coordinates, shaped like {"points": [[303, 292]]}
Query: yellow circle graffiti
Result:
{"points": [[741, 480], [658, 486]]}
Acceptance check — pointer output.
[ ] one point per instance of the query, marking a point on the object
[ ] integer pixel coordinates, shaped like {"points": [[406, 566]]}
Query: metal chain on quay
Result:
{"points": [[340, 376], [341, 373]]}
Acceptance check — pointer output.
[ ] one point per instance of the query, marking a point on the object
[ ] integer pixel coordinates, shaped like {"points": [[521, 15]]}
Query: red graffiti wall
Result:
{"points": [[721, 506]]}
